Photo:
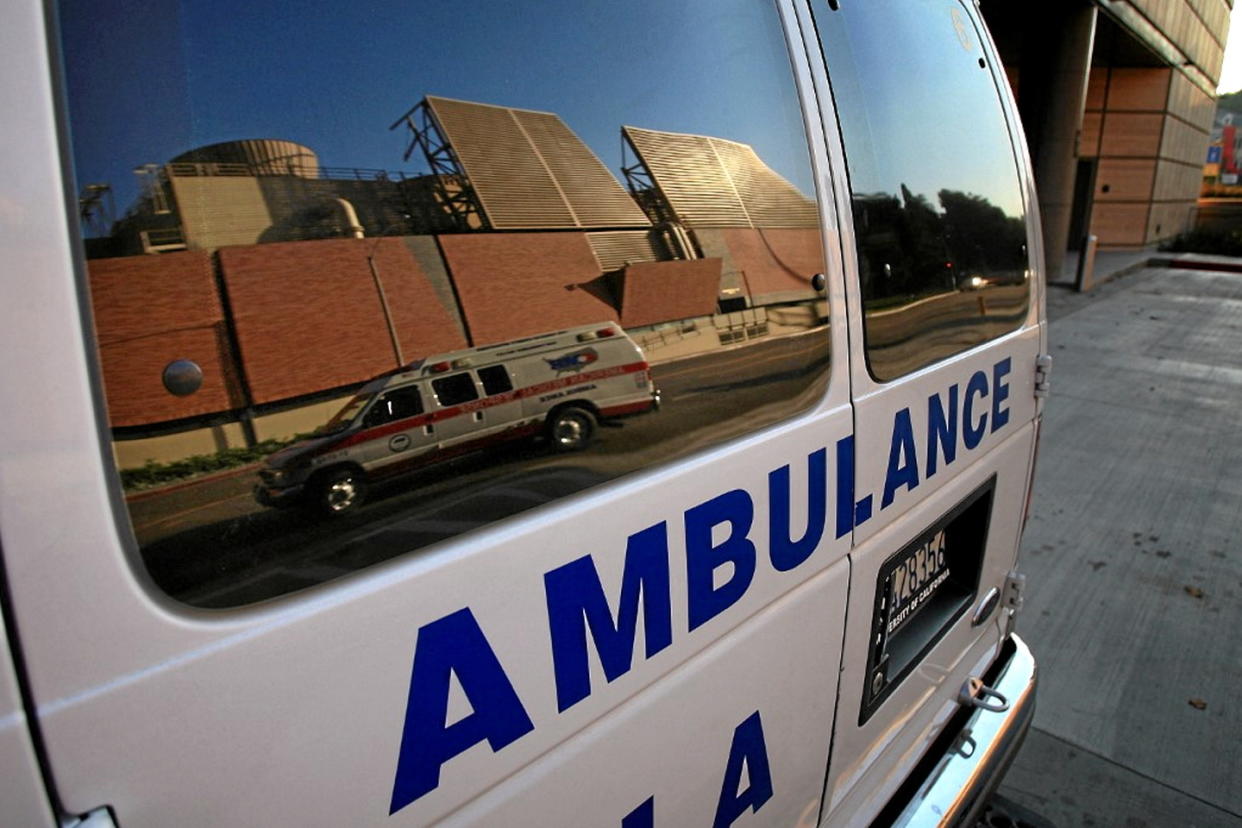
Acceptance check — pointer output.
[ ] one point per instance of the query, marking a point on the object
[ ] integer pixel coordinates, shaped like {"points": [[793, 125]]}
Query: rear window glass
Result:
{"points": [[314, 207], [454, 390], [395, 405], [939, 217], [495, 380]]}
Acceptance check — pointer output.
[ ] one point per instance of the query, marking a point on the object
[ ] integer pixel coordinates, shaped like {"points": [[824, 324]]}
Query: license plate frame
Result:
{"points": [[921, 592]]}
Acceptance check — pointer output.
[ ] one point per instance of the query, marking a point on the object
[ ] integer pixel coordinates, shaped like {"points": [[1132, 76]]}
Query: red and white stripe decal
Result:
{"points": [[429, 458], [536, 390]]}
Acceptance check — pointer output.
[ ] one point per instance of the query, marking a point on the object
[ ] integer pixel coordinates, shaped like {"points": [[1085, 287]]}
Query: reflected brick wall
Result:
{"points": [[308, 315], [653, 292], [776, 260], [149, 311], [518, 284]]}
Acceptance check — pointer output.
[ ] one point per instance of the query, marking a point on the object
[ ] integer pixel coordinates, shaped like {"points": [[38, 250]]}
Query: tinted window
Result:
{"points": [[454, 390], [495, 380], [395, 405], [939, 217], [314, 206]]}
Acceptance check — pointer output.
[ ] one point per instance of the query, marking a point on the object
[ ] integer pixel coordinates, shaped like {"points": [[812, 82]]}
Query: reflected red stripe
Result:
{"points": [[432, 457], [379, 432]]}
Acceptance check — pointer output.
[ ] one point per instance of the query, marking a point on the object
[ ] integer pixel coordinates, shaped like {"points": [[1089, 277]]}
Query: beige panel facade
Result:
{"points": [[1131, 134], [284, 425], [1179, 215], [1147, 113], [1183, 142], [1124, 179], [1149, 126], [1185, 32], [1089, 137], [1120, 225], [1190, 103], [1097, 86], [220, 210], [169, 448], [1175, 179], [1142, 90]]}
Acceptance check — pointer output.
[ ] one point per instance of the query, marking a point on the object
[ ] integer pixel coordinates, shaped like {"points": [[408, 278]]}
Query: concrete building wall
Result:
{"points": [[1150, 68], [1154, 123], [655, 292], [1149, 130], [777, 263], [169, 448], [552, 277], [220, 210], [308, 315], [150, 311]]}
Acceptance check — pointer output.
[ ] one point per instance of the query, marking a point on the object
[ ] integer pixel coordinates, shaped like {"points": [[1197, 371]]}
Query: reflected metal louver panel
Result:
{"points": [[530, 171], [614, 250], [713, 182]]}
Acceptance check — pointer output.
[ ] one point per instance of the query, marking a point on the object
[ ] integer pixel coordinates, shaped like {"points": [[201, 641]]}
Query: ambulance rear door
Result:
{"points": [[944, 291]]}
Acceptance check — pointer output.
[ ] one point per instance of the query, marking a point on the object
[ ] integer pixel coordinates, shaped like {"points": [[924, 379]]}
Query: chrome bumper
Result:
{"points": [[959, 782]]}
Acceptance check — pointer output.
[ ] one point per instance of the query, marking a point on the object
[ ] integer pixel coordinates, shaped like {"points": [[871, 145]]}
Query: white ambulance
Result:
{"points": [[787, 599], [559, 385]]}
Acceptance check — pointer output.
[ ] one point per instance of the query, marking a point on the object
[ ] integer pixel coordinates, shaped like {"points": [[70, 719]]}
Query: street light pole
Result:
{"points": [[356, 230], [383, 297]]}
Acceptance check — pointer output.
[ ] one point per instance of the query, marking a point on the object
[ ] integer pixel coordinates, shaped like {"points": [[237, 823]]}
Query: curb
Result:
{"points": [[1215, 265], [1168, 262]]}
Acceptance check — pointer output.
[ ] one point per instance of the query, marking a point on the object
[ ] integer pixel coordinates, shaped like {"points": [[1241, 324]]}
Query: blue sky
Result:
{"points": [[1231, 71], [148, 80]]}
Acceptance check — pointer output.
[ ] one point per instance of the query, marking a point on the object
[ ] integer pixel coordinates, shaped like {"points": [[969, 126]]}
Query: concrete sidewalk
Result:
{"points": [[1132, 559]]}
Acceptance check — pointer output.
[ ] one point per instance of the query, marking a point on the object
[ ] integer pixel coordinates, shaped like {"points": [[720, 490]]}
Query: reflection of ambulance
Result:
{"points": [[558, 385], [792, 604]]}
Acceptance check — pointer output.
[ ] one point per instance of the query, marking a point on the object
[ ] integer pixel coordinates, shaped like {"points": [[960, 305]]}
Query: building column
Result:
{"points": [[1056, 64]]}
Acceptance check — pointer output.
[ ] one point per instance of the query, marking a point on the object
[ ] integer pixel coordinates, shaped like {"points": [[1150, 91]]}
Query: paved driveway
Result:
{"points": [[1133, 558]]}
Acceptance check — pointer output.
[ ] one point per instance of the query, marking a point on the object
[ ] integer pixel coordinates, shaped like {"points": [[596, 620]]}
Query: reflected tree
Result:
{"points": [[908, 248]]}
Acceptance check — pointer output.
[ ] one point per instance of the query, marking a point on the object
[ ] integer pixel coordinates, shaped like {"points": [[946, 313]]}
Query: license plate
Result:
{"points": [[922, 590]]}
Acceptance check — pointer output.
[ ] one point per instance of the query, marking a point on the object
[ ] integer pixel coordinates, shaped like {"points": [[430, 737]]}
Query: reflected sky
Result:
{"points": [[915, 105], [149, 80]]}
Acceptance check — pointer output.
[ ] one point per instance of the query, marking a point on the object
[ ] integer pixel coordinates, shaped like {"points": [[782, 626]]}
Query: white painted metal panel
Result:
{"points": [[23, 799], [292, 712], [871, 759]]}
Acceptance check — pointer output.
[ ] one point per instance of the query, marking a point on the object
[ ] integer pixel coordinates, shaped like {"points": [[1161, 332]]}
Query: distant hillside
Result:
{"points": [[1231, 102]]}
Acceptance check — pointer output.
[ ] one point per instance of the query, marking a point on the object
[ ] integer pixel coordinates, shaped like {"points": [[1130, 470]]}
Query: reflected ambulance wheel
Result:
{"points": [[571, 429], [339, 492]]}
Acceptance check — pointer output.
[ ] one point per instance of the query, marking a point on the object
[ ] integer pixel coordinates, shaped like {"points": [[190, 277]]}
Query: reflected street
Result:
{"points": [[209, 544]]}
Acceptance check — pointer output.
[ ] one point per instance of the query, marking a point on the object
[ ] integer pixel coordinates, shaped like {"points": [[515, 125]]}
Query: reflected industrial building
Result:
{"points": [[290, 283]]}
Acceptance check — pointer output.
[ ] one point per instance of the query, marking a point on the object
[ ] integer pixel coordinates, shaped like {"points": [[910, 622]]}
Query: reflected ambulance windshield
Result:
{"points": [[343, 418]]}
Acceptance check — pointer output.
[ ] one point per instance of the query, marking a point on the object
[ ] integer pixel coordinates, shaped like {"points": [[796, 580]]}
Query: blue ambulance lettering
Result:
{"points": [[718, 538], [903, 463], [952, 417], [576, 601], [453, 645], [785, 552], [941, 429], [705, 601], [748, 751], [641, 817]]}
